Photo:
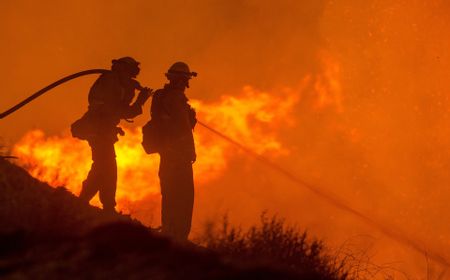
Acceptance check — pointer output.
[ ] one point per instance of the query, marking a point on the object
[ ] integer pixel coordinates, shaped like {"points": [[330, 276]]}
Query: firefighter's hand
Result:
{"points": [[144, 95], [120, 131]]}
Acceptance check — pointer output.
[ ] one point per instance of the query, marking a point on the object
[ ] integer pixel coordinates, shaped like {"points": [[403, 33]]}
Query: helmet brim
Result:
{"points": [[189, 75]]}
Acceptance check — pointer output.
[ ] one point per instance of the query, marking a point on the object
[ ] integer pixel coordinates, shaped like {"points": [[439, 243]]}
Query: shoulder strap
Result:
{"points": [[158, 107]]}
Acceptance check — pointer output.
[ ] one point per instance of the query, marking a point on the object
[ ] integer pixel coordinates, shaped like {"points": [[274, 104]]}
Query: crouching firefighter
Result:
{"points": [[109, 102], [169, 133]]}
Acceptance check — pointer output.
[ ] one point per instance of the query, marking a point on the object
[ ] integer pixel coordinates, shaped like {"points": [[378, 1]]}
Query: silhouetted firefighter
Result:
{"points": [[109, 102], [169, 133]]}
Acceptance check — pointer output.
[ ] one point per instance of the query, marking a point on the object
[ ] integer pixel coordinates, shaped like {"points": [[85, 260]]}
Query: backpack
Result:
{"points": [[151, 137], [151, 132], [82, 128]]}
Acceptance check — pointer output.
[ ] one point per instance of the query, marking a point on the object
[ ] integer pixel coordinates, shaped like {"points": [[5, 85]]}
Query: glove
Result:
{"points": [[143, 96], [120, 131]]}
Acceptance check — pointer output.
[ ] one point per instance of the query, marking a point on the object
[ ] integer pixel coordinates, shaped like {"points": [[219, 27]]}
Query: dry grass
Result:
{"points": [[274, 243], [47, 233]]}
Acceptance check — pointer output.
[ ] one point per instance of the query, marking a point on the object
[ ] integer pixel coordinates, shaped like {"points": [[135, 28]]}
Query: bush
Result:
{"points": [[273, 243]]}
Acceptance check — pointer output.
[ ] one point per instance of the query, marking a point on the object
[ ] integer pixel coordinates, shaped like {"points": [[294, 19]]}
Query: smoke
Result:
{"points": [[371, 126], [230, 43]]}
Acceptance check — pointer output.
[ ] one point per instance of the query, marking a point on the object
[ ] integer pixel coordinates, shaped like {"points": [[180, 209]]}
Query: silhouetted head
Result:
{"points": [[179, 75], [127, 67]]}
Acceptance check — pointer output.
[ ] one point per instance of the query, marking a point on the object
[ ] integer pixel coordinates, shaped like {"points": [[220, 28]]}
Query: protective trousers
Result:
{"points": [[177, 191], [102, 177]]}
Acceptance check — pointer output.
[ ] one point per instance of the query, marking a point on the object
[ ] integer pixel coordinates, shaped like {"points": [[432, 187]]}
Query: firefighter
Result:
{"points": [[109, 101], [176, 120]]}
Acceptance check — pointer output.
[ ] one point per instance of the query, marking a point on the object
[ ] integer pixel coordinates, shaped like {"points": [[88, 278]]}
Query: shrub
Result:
{"points": [[273, 243]]}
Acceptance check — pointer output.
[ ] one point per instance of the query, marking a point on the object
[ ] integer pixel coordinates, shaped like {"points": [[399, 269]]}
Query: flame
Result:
{"points": [[252, 117]]}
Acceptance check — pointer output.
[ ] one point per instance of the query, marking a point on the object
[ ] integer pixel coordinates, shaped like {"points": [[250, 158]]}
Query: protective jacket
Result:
{"points": [[109, 102], [175, 119]]}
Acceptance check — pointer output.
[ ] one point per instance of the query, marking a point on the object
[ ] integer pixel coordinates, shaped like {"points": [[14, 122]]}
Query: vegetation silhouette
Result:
{"points": [[48, 232], [273, 242]]}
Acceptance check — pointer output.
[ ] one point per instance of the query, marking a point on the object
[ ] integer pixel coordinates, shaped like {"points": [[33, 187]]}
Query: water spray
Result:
{"points": [[388, 230]]}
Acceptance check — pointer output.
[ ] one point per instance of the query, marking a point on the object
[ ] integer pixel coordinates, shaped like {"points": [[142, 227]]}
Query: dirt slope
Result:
{"points": [[47, 233]]}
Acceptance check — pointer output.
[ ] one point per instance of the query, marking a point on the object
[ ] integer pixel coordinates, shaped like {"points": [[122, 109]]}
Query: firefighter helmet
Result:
{"points": [[182, 69], [128, 63], [127, 60]]}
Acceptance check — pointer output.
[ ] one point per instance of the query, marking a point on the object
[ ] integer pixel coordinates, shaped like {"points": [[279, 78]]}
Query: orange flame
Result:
{"points": [[253, 118]]}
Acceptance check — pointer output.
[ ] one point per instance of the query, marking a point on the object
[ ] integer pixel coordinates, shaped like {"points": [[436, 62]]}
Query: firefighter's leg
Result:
{"points": [[109, 185], [166, 178], [177, 190], [109, 179], [184, 200], [92, 182], [167, 216]]}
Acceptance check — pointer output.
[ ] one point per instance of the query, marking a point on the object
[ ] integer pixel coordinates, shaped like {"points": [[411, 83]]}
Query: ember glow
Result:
{"points": [[249, 117]]}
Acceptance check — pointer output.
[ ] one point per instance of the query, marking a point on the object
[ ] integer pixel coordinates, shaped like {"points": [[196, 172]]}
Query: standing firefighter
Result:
{"points": [[173, 120], [109, 102]]}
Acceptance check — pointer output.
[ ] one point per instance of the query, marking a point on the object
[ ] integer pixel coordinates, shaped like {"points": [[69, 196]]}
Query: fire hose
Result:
{"points": [[53, 85], [391, 232]]}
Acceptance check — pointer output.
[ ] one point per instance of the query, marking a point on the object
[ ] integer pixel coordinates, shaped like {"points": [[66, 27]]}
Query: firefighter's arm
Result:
{"points": [[131, 111], [192, 117], [143, 96], [99, 94]]}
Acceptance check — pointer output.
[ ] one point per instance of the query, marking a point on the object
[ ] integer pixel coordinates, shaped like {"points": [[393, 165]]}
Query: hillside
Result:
{"points": [[47, 233]]}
